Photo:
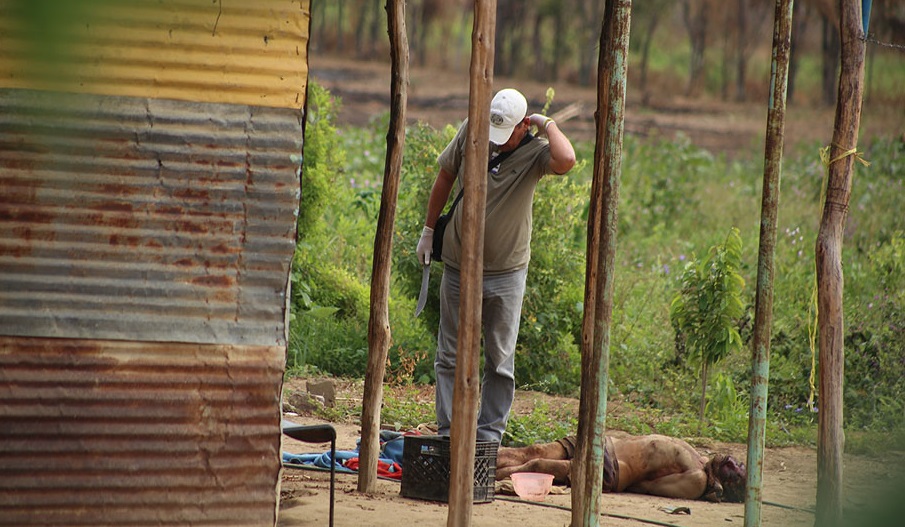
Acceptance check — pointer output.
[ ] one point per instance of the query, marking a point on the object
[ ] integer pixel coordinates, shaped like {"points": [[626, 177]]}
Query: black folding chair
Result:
{"points": [[317, 434]]}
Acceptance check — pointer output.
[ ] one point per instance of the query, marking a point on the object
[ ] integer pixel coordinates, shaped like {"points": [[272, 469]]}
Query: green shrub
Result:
{"points": [[423, 146], [330, 295], [659, 183], [707, 309], [728, 410], [543, 424], [323, 159], [548, 357], [875, 340], [406, 413]]}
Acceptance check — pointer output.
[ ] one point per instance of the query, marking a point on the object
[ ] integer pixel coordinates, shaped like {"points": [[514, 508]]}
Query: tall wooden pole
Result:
{"points": [[830, 326], [587, 473], [379, 336], [464, 426], [763, 310]]}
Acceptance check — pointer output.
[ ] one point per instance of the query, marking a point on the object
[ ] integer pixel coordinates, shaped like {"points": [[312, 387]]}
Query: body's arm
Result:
{"points": [[685, 485], [439, 195], [561, 469], [660, 465], [514, 456]]}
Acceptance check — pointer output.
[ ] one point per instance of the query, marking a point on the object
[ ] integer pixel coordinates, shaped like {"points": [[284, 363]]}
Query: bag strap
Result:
{"points": [[493, 163], [500, 157]]}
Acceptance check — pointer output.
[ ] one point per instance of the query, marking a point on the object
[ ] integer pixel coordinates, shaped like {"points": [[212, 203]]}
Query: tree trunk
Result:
{"points": [[799, 29], [503, 38], [869, 67], [376, 20], [727, 57], [763, 308], [537, 45], [458, 50], [830, 53], [467, 380], [340, 18], [360, 23], [703, 405], [831, 327], [590, 12], [647, 39], [559, 34], [695, 16], [612, 72], [379, 336], [741, 55], [419, 32], [320, 29]]}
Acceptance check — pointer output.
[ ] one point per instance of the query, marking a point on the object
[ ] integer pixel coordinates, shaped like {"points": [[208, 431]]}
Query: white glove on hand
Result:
{"points": [[425, 246], [540, 121]]}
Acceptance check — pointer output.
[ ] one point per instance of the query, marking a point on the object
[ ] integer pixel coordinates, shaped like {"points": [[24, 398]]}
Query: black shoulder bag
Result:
{"points": [[443, 220]]}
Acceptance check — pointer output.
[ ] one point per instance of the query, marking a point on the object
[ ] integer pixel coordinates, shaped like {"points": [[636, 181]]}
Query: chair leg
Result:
{"points": [[317, 434], [332, 476]]}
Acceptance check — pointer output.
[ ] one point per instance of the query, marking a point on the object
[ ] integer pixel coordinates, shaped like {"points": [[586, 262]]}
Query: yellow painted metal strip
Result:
{"points": [[252, 53]]}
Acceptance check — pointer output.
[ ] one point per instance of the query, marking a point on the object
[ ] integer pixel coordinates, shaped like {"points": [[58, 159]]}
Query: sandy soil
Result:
{"points": [[790, 476]]}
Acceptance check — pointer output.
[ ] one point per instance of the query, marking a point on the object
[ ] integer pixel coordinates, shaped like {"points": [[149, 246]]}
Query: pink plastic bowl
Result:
{"points": [[533, 486]]}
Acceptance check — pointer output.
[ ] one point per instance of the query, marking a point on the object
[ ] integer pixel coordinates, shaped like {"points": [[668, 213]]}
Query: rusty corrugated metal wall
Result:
{"points": [[149, 181]]}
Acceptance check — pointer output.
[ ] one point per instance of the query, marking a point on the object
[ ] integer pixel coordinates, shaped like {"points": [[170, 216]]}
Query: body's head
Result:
{"points": [[726, 479]]}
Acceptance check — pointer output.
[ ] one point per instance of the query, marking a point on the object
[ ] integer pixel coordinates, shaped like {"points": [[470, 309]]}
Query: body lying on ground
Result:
{"points": [[649, 464]]}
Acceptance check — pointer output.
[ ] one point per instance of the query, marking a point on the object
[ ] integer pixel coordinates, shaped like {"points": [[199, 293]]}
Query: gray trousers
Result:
{"points": [[501, 312]]}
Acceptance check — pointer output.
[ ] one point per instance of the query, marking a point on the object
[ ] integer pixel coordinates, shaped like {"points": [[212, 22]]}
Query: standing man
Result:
{"points": [[507, 240]]}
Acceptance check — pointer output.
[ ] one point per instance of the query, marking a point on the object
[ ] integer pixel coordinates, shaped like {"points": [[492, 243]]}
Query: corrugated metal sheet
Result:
{"points": [[127, 433], [145, 219], [249, 52], [149, 178]]}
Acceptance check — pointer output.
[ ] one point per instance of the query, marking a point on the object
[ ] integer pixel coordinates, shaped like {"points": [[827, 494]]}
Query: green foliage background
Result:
{"points": [[675, 201]]}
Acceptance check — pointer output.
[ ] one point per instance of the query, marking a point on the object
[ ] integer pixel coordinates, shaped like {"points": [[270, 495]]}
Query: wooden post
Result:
{"points": [[587, 473], [464, 426], [843, 150], [763, 310], [379, 336]]}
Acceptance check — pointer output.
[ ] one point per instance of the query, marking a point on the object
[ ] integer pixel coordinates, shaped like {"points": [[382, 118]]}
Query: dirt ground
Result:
{"points": [[789, 489], [440, 97]]}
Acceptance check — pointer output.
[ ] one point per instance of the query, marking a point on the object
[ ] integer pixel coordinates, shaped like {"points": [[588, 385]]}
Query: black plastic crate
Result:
{"points": [[425, 469]]}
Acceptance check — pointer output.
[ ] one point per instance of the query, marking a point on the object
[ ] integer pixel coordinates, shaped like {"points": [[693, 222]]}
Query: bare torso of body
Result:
{"points": [[651, 464], [660, 465]]}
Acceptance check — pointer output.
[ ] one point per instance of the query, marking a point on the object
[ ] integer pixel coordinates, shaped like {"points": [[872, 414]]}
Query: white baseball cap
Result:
{"points": [[507, 109]]}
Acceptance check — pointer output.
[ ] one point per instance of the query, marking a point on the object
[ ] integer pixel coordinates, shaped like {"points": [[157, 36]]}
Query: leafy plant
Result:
{"points": [[548, 357], [323, 160], [727, 408], [707, 309], [329, 306], [301, 331], [407, 412], [542, 425]]}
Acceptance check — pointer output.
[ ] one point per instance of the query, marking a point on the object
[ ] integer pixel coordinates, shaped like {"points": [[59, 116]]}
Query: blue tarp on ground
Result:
{"points": [[391, 445]]}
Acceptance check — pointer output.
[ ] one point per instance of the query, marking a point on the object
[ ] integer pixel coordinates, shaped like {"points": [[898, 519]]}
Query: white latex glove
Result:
{"points": [[425, 245], [540, 122]]}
